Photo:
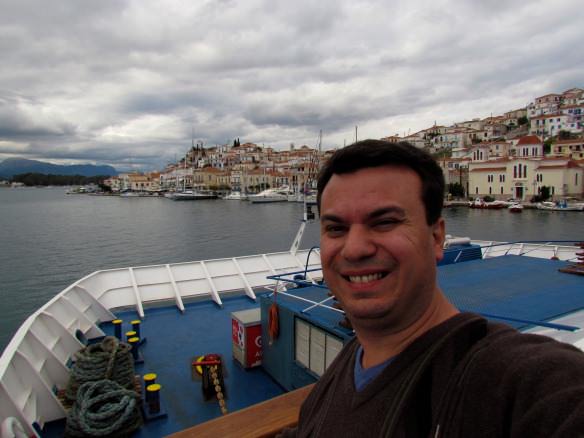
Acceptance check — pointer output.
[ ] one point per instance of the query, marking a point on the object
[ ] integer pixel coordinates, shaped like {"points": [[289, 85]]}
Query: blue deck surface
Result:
{"points": [[514, 286], [173, 340]]}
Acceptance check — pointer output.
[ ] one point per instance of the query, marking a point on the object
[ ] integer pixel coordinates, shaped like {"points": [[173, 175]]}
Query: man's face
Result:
{"points": [[378, 253]]}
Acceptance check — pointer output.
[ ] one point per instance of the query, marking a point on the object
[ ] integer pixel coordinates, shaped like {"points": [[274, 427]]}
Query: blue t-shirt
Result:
{"points": [[365, 375]]}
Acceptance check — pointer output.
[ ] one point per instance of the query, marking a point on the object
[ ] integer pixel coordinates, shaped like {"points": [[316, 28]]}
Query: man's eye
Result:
{"points": [[384, 223], [334, 229]]}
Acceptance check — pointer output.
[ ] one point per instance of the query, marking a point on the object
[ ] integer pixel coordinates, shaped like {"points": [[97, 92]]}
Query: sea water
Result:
{"points": [[48, 239]]}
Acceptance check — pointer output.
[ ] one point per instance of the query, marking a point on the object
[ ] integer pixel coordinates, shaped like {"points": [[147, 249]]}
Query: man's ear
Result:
{"points": [[439, 236]]}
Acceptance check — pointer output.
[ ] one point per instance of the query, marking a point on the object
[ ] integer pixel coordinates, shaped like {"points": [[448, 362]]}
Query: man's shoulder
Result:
{"points": [[531, 380], [502, 341], [497, 341], [508, 357]]}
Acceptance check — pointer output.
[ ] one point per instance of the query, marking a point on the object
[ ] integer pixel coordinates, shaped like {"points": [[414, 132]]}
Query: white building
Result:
{"points": [[528, 146], [522, 178], [550, 103]]}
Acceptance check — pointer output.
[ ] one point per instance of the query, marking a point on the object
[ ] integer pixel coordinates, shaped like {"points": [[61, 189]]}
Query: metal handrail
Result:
{"points": [[544, 242], [308, 259], [486, 248]]}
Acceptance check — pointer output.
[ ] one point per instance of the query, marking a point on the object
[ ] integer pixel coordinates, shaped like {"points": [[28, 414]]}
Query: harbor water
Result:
{"points": [[49, 239]]}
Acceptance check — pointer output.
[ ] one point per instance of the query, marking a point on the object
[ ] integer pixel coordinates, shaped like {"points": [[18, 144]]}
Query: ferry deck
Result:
{"points": [[524, 292]]}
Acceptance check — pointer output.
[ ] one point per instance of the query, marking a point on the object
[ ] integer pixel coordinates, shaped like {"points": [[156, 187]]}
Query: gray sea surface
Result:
{"points": [[49, 239]]}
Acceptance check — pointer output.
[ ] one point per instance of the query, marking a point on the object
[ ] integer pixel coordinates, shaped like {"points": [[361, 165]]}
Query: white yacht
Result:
{"points": [[269, 195], [235, 196], [190, 195]]}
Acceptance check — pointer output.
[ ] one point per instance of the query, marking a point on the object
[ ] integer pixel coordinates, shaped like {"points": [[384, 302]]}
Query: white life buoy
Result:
{"points": [[12, 428]]}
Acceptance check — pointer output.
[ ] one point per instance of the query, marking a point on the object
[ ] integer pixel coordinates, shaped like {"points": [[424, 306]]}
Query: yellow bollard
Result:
{"points": [[153, 398], [131, 334], [117, 328]]}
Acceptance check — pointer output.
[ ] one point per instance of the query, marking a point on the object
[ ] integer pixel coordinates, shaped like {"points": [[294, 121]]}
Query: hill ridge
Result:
{"points": [[15, 166]]}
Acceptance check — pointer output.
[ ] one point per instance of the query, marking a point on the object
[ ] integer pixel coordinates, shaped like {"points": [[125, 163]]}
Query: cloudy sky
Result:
{"points": [[125, 82]]}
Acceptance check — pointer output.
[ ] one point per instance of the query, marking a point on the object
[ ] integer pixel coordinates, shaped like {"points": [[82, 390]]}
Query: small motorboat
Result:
{"points": [[561, 205], [481, 203], [516, 207]]}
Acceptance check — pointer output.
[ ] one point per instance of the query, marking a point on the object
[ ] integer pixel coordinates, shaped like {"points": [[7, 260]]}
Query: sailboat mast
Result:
{"points": [[175, 173]]}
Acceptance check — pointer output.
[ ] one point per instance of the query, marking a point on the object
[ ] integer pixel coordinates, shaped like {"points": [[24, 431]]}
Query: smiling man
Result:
{"points": [[379, 255], [417, 366]]}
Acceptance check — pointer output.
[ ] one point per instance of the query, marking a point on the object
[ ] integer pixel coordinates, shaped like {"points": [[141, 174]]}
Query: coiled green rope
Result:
{"points": [[102, 387], [104, 409], [109, 359]]}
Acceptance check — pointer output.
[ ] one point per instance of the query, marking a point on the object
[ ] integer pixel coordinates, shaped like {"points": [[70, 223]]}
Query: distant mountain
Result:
{"points": [[15, 166]]}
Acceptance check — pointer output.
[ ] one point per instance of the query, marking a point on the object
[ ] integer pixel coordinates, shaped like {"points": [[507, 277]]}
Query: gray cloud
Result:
{"points": [[124, 82]]}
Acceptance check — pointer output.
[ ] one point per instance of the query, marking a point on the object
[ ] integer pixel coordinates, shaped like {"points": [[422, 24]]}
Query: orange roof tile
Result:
{"points": [[529, 139]]}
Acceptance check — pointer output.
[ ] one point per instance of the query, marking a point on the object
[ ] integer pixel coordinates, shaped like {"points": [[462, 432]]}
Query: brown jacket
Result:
{"points": [[464, 378]]}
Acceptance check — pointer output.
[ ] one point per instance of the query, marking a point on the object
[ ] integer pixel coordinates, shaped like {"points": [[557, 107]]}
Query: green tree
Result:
{"points": [[456, 190], [104, 188], [547, 146], [542, 195], [522, 120]]}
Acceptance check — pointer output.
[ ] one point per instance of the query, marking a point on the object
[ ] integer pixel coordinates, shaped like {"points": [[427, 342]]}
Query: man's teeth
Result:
{"points": [[365, 278]]}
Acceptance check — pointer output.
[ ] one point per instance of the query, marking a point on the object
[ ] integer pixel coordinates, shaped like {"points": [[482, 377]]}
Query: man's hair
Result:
{"points": [[377, 153]]}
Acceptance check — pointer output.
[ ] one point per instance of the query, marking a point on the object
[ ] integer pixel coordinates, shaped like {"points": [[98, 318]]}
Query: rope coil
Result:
{"points": [[103, 409], [101, 386], [109, 359]]}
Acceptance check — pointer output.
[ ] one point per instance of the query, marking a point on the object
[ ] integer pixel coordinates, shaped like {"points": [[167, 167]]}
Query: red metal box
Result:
{"points": [[246, 334]]}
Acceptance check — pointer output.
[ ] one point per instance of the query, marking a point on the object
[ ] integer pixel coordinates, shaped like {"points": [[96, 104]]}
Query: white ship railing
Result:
{"points": [[560, 250]]}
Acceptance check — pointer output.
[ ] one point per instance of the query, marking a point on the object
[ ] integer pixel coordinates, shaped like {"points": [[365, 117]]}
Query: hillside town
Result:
{"points": [[513, 155]]}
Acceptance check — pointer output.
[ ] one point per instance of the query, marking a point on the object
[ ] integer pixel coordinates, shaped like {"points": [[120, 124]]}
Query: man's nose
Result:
{"points": [[358, 243]]}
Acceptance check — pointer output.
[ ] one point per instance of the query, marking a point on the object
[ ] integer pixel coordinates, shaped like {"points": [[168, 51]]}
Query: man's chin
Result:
{"points": [[365, 314]]}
